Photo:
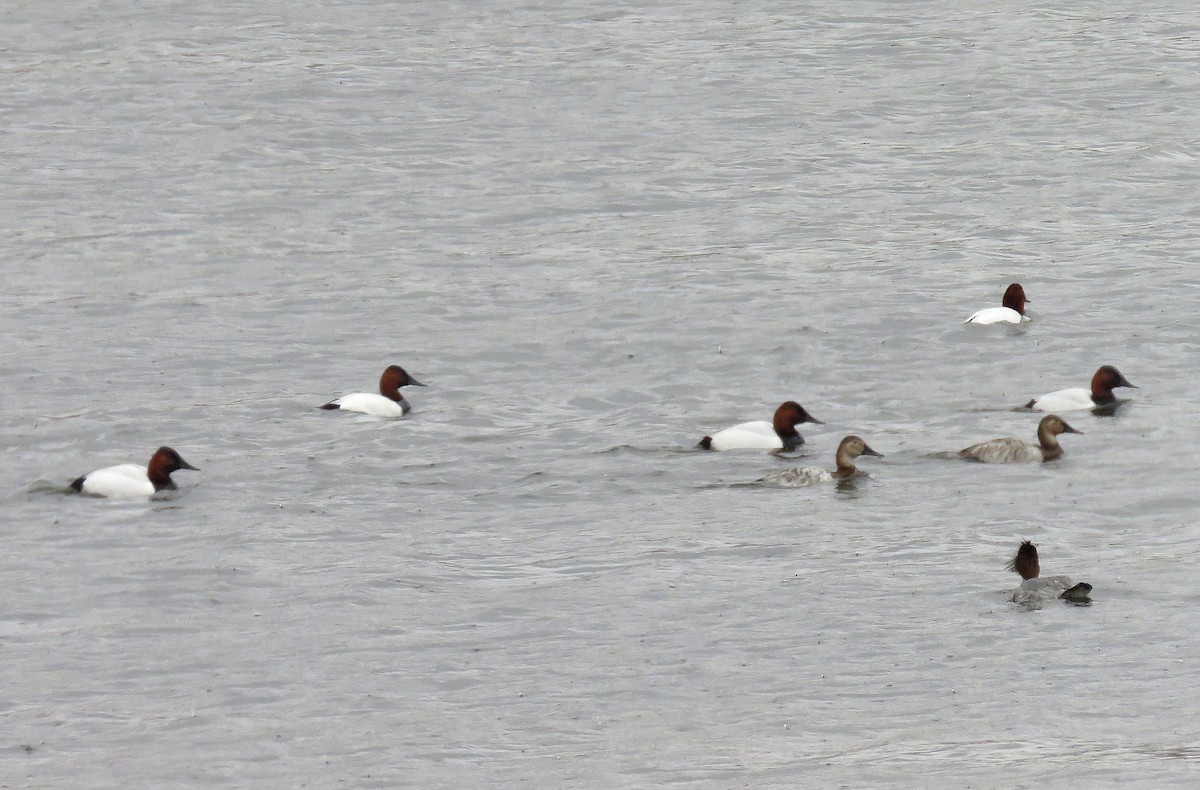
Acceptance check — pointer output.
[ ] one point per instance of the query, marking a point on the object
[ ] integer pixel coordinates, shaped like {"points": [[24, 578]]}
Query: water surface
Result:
{"points": [[598, 234]]}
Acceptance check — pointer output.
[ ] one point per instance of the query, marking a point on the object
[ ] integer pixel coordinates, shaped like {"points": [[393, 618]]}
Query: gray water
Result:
{"points": [[597, 234]]}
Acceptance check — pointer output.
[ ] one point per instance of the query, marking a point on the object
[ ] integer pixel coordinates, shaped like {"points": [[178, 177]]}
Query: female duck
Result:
{"points": [[130, 480], [1015, 451], [780, 434], [388, 403], [1035, 588], [1013, 311], [850, 448], [1098, 397]]}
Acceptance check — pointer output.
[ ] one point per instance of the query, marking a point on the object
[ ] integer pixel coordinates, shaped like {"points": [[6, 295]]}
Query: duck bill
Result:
{"points": [[1124, 382], [869, 451], [185, 465], [416, 383], [1069, 429], [809, 418]]}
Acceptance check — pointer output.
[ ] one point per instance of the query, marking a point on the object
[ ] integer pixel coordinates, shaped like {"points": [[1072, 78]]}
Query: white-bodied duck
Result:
{"points": [[1035, 588], [779, 434], [130, 481], [1012, 311], [388, 403], [1100, 396]]}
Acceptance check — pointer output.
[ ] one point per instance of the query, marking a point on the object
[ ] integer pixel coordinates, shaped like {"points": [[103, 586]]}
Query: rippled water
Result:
{"points": [[598, 235]]}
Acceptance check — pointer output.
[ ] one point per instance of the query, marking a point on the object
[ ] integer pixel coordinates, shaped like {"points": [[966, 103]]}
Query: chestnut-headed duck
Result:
{"points": [[130, 480], [1100, 396], [1016, 451], [780, 434], [1035, 588], [1013, 311], [850, 448], [388, 403]]}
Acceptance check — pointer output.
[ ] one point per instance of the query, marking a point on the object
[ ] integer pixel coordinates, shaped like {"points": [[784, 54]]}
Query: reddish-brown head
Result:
{"points": [[789, 415], [1105, 379], [1014, 298], [162, 464], [1025, 561], [393, 379]]}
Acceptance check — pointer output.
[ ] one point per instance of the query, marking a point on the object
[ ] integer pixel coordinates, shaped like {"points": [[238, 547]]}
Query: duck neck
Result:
{"points": [[790, 437], [1051, 453], [159, 473], [389, 385], [1102, 390], [1051, 449], [845, 465]]}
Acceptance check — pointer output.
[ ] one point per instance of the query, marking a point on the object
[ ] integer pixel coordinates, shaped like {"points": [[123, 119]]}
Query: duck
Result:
{"points": [[1100, 396], [1013, 311], [850, 448], [779, 434], [1015, 451], [129, 481], [388, 403], [1035, 588]]}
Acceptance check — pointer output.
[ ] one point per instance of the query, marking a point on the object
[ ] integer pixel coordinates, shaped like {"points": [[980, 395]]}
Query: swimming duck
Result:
{"points": [[388, 403], [850, 448], [1035, 588], [130, 480], [1098, 397], [1015, 451], [1013, 311], [780, 434]]}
